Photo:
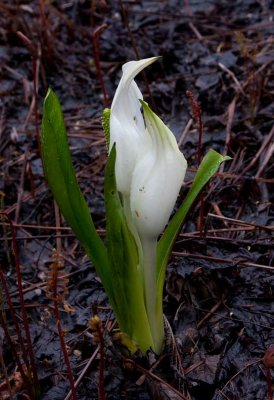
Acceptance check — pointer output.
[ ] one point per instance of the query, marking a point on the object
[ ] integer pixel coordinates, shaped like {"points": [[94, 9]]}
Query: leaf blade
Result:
{"points": [[206, 170], [61, 178], [128, 295]]}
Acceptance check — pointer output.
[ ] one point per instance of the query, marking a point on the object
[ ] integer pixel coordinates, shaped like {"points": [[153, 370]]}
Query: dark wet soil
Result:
{"points": [[219, 286]]}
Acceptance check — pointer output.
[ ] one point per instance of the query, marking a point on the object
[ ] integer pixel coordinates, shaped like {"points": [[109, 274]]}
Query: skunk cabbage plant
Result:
{"points": [[143, 177]]}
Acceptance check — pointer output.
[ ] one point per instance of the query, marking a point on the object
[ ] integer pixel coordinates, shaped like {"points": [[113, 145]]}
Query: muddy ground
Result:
{"points": [[219, 288]]}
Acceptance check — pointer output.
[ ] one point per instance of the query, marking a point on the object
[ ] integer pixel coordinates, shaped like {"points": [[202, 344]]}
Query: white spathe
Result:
{"points": [[150, 168], [157, 178], [127, 127]]}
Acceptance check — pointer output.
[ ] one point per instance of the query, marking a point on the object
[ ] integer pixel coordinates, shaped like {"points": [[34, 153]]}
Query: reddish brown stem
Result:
{"points": [[45, 31], [98, 334], [64, 349], [101, 390], [13, 316], [197, 115], [35, 59], [137, 53], [268, 361], [57, 318], [23, 308], [269, 384], [26, 380], [128, 361], [95, 35]]}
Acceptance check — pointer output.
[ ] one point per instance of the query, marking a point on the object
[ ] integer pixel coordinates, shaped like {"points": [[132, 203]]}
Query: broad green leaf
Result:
{"points": [[61, 178], [206, 170], [125, 273]]}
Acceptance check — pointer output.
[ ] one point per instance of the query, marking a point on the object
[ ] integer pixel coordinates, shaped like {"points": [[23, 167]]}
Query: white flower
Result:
{"points": [[150, 168], [157, 178], [149, 171], [127, 128]]}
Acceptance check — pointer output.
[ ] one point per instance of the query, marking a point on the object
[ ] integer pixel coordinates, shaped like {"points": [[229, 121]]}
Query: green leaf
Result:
{"points": [[125, 273], [206, 170], [61, 178], [106, 125]]}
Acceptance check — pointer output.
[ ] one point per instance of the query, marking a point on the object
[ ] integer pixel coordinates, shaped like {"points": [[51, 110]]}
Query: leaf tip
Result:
{"points": [[49, 94]]}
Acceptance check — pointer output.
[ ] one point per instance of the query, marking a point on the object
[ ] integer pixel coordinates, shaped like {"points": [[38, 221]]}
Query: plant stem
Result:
{"points": [[24, 312], [269, 384], [57, 295], [35, 60], [97, 62], [155, 316], [5, 373], [102, 394], [19, 336], [62, 341]]}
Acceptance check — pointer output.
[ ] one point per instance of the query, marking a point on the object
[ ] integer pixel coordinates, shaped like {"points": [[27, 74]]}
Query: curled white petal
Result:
{"points": [[127, 127], [157, 178]]}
